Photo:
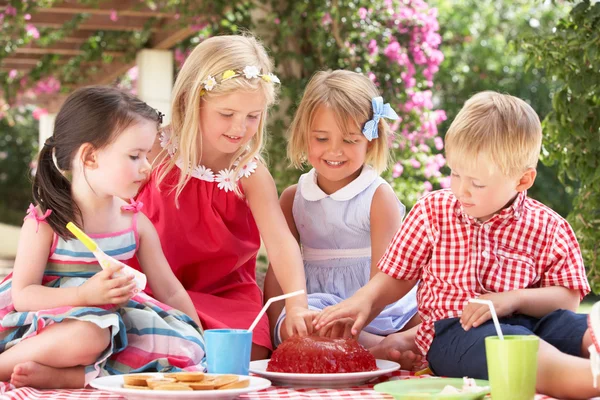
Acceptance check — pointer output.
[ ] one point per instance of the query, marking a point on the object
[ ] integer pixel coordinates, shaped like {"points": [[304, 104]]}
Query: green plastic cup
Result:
{"points": [[512, 366]]}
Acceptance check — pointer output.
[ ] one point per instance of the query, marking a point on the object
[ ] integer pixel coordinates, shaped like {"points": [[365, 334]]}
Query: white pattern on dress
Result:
{"points": [[225, 178]]}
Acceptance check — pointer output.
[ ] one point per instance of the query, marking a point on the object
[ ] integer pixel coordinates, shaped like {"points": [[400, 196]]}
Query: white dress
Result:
{"points": [[335, 237]]}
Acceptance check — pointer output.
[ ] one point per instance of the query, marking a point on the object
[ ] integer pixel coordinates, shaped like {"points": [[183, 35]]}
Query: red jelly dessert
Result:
{"points": [[318, 355]]}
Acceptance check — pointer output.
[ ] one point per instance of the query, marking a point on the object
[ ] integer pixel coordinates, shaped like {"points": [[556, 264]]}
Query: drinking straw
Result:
{"points": [[269, 302]]}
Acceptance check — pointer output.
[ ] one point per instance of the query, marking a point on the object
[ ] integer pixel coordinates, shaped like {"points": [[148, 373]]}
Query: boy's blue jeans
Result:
{"points": [[456, 353]]}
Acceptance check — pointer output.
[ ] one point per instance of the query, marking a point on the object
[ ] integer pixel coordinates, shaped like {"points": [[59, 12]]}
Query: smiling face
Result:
{"points": [[121, 167], [229, 122], [483, 192], [337, 156]]}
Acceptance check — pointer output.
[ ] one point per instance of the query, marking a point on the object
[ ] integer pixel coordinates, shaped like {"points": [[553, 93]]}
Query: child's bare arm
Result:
{"points": [[282, 247], [367, 302], [32, 255], [535, 302], [272, 288], [165, 286], [385, 222], [29, 294]]}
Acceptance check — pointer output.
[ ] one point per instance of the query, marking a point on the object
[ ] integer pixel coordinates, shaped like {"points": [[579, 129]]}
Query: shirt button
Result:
{"points": [[485, 254]]}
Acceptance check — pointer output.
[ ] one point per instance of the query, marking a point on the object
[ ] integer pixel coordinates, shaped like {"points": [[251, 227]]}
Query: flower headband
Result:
{"points": [[249, 72], [380, 110]]}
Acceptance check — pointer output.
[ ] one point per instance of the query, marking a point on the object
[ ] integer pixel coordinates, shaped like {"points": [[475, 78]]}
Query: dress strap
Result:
{"points": [[133, 206], [33, 213]]}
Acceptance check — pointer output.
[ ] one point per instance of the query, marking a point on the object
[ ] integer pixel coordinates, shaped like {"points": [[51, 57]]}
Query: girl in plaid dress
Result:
{"points": [[342, 212], [64, 320]]}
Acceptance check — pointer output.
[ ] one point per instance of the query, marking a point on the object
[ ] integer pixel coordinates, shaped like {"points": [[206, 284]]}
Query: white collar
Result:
{"points": [[312, 192]]}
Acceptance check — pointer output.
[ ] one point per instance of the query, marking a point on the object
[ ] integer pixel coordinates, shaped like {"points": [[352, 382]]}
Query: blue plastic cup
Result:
{"points": [[228, 351]]}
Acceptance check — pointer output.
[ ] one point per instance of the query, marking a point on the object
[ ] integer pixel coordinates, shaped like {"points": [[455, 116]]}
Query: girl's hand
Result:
{"points": [[102, 289], [299, 321], [356, 307], [474, 314]]}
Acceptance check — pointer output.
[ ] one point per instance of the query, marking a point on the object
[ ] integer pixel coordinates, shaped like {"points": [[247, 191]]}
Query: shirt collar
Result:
{"points": [[515, 210], [312, 192]]}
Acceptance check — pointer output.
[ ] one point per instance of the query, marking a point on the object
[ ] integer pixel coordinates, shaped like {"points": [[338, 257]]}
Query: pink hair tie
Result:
{"points": [[32, 213]]}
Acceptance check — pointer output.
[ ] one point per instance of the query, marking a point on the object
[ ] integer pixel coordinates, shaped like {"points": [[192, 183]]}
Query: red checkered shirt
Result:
{"points": [[456, 258]]}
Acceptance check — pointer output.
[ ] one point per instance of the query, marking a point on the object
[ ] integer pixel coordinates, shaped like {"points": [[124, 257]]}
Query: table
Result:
{"points": [[364, 392]]}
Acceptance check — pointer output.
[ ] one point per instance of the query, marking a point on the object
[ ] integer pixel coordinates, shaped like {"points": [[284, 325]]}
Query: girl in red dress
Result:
{"points": [[211, 198]]}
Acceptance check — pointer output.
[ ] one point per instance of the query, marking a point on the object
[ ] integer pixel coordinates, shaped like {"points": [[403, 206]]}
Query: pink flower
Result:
{"points": [[113, 16], [415, 164], [373, 48], [32, 31], [427, 186], [392, 51], [13, 74], [277, 21], [397, 170], [133, 73], [445, 182], [326, 20], [439, 143], [362, 13], [39, 113], [10, 10], [27, 17]]}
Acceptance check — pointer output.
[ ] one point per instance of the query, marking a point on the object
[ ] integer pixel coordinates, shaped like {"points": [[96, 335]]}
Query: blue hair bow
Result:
{"points": [[380, 110]]}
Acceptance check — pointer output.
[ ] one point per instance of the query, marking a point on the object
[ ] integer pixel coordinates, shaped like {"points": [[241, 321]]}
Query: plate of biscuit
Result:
{"points": [[180, 385]]}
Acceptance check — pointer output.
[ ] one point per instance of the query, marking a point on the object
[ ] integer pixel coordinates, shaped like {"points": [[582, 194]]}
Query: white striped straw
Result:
{"points": [[494, 315], [271, 300]]}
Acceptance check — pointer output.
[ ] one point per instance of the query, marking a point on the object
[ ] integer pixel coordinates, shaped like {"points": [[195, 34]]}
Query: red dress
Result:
{"points": [[211, 242]]}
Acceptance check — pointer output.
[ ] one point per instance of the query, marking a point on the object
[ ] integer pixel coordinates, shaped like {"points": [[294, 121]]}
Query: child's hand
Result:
{"points": [[474, 314], [340, 328], [299, 321], [355, 308], [102, 289]]}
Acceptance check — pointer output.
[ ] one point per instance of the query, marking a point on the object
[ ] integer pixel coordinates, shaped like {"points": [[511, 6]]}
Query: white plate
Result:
{"points": [[114, 384], [322, 380]]}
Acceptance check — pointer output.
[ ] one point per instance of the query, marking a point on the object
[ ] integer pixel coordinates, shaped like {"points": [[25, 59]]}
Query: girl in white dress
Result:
{"points": [[342, 212]]}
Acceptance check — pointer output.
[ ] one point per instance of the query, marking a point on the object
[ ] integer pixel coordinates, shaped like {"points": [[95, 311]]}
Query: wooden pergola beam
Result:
{"points": [[63, 52], [125, 8]]}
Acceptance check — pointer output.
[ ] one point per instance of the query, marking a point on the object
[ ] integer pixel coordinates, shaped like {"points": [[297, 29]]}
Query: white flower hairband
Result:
{"points": [[249, 72]]}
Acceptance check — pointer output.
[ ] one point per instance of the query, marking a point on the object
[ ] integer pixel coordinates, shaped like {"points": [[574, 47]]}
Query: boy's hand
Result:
{"points": [[340, 328], [474, 314], [102, 288], [299, 321], [355, 308]]}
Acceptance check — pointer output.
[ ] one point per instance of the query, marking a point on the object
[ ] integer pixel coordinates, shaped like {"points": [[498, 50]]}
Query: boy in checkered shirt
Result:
{"points": [[484, 238]]}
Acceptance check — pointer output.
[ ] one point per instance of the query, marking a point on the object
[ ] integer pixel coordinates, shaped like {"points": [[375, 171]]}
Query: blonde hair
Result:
{"points": [[213, 57], [349, 95], [498, 128]]}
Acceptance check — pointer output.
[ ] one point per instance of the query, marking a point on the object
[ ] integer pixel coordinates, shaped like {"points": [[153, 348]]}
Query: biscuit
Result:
{"points": [[136, 387], [136, 380], [203, 385], [188, 376], [236, 385], [223, 380], [153, 382], [173, 386]]}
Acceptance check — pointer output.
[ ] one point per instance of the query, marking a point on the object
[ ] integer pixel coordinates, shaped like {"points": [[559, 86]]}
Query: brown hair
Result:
{"points": [[95, 115]]}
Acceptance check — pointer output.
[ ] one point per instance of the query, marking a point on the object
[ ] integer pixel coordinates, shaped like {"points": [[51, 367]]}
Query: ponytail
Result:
{"points": [[94, 115], [52, 190]]}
